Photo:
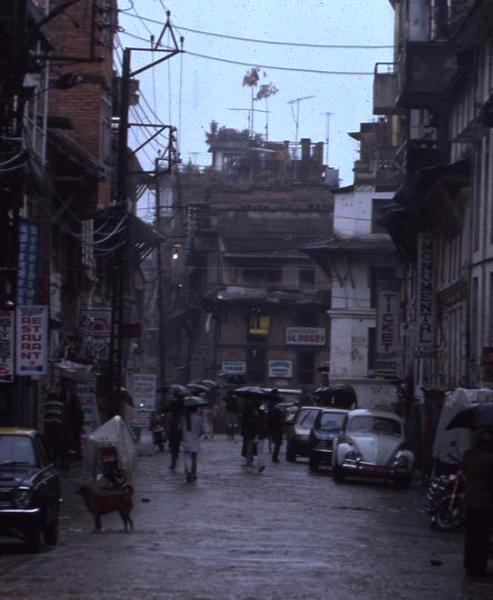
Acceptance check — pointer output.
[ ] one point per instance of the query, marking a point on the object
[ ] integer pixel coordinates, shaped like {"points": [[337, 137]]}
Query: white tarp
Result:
{"points": [[112, 433], [449, 445]]}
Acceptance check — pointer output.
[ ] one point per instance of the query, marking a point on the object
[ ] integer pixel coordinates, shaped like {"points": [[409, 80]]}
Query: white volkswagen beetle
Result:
{"points": [[371, 444]]}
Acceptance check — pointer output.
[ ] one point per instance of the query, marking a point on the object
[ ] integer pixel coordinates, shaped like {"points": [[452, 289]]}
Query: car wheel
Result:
{"points": [[313, 465], [338, 474], [51, 533], [33, 541], [290, 454]]}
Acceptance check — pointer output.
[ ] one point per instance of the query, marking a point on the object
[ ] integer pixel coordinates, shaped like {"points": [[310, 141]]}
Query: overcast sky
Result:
{"points": [[190, 91]]}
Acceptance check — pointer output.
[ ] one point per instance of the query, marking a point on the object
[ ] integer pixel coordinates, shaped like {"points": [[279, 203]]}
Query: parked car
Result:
{"points": [[298, 432], [371, 444], [29, 489], [325, 429]]}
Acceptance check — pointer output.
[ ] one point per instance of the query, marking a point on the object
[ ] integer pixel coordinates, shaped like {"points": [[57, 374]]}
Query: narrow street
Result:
{"points": [[284, 533]]}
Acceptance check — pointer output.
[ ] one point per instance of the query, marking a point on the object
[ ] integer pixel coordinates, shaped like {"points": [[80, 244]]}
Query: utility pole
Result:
{"points": [[123, 257], [297, 118]]}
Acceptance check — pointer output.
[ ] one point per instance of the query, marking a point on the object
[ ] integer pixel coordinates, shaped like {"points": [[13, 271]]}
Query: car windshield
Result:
{"points": [[371, 424], [17, 449], [332, 421], [306, 418]]}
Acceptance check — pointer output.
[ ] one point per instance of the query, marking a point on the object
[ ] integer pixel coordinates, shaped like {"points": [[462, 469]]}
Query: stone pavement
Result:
{"points": [[282, 534]]}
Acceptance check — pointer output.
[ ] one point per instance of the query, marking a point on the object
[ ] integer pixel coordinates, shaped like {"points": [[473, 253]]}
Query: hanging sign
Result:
{"points": [[425, 300], [144, 390], [387, 328], [305, 336], [28, 262], [281, 368], [95, 326], [6, 346], [32, 340]]}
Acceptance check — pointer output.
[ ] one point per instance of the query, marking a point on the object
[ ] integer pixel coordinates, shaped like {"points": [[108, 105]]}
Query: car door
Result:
{"points": [[48, 481]]}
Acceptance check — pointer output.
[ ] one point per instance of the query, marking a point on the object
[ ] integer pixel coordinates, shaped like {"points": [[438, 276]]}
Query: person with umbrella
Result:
{"points": [[275, 423], [175, 409], [478, 474], [191, 425]]}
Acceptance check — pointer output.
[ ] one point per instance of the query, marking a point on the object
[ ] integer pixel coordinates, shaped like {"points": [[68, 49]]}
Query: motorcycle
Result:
{"points": [[445, 502]]}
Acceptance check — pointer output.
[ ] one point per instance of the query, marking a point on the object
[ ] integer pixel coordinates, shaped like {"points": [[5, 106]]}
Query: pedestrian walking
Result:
{"points": [[249, 427], [231, 415], [275, 424], [478, 472], [208, 422], [191, 426], [175, 409]]}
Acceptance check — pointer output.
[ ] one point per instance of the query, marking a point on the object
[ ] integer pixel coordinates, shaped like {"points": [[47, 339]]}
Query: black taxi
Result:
{"points": [[30, 493]]}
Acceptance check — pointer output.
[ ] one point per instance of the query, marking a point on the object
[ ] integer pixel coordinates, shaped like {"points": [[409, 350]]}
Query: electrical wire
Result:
{"points": [[260, 65], [272, 42]]}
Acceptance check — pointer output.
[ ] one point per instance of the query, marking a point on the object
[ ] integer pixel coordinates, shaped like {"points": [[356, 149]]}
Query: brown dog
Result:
{"points": [[99, 503]]}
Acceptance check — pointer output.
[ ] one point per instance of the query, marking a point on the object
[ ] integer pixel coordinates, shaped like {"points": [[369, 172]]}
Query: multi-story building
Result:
{"points": [[363, 266], [246, 299], [438, 97]]}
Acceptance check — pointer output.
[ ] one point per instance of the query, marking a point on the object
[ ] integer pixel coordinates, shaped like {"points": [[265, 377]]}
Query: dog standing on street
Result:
{"points": [[99, 503]]}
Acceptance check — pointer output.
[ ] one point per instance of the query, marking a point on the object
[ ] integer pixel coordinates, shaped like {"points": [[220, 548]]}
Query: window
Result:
{"points": [[262, 274], [306, 367], [256, 365], [306, 277], [258, 324], [378, 210]]}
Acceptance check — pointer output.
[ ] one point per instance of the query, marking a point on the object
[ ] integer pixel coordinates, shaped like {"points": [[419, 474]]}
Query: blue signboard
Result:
{"points": [[28, 263]]}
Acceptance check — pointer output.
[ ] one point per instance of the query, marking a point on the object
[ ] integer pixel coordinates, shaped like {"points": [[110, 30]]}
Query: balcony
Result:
{"points": [[388, 176], [415, 155], [385, 89], [426, 69]]}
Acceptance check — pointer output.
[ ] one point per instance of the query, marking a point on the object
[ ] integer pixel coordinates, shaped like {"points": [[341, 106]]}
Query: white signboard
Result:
{"points": [[238, 367], [305, 336], [280, 368], [387, 328], [6, 345], [144, 390], [86, 393], [424, 293], [32, 340]]}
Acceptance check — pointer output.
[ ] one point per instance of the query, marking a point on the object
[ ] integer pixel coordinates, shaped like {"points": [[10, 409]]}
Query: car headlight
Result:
{"points": [[23, 497], [401, 461], [353, 454]]}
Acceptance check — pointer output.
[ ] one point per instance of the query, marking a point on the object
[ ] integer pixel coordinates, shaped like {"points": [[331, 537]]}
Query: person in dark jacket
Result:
{"points": [[176, 410], [249, 426], [478, 472], [275, 422]]}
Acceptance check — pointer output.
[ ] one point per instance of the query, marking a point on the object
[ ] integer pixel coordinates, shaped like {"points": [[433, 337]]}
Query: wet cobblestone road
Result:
{"points": [[282, 534]]}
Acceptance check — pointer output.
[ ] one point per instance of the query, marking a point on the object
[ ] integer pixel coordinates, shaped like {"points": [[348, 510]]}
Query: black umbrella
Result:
{"points": [[193, 401], [212, 385], [198, 388], [475, 416], [252, 391], [178, 390]]}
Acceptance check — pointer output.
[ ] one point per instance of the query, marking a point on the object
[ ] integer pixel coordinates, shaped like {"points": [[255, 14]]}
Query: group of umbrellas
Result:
{"points": [[196, 393]]}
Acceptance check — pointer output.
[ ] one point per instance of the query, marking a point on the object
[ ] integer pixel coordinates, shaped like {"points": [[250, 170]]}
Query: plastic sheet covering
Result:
{"points": [[112, 433], [448, 446]]}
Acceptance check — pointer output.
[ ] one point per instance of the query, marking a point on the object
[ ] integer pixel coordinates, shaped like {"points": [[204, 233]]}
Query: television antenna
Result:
{"points": [[327, 124], [296, 116]]}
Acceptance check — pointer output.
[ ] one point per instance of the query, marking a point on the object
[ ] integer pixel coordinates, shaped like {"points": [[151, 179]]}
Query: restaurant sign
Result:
{"points": [[32, 340]]}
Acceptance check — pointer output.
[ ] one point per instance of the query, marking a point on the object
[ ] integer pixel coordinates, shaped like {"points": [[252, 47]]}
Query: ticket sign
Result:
{"points": [[6, 345], [305, 336], [32, 340]]}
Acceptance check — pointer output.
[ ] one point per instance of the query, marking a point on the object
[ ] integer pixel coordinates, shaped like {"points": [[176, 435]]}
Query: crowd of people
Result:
{"points": [[258, 421]]}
